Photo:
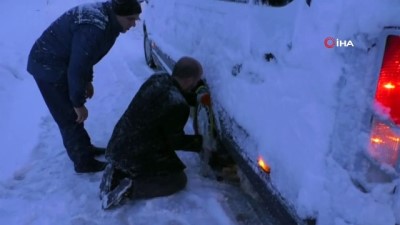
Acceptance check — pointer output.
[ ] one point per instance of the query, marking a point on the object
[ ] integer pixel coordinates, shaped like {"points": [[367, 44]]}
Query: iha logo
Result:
{"points": [[331, 42]]}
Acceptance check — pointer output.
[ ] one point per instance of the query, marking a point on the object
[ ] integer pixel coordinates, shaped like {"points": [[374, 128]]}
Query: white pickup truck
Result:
{"points": [[306, 96]]}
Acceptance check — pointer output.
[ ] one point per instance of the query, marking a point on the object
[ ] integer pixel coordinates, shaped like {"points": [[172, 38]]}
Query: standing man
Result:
{"points": [[141, 151], [61, 62]]}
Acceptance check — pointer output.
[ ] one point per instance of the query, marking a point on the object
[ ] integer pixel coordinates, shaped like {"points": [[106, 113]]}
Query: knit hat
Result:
{"points": [[126, 7]]}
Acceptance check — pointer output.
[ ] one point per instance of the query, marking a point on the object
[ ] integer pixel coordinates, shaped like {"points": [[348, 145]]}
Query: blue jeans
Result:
{"points": [[75, 138]]}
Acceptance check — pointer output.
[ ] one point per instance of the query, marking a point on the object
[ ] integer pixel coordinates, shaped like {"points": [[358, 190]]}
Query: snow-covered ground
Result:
{"points": [[303, 111], [37, 183]]}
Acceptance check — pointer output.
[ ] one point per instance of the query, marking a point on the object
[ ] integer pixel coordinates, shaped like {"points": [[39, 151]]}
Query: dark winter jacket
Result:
{"points": [[69, 48], [144, 139]]}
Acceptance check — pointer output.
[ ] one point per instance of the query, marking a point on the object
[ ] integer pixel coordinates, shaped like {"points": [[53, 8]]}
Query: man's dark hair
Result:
{"points": [[187, 67]]}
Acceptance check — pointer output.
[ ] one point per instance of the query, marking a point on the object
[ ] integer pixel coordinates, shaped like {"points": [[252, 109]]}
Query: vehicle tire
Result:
{"points": [[147, 52]]}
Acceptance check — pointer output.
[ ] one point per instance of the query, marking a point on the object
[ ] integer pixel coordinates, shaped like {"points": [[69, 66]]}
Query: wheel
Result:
{"points": [[147, 52]]}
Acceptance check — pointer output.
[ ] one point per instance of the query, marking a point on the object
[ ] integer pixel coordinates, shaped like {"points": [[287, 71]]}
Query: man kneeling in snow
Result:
{"points": [[142, 162]]}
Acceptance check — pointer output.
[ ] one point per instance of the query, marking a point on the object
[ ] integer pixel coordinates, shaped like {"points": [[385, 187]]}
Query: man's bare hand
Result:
{"points": [[82, 114], [89, 90]]}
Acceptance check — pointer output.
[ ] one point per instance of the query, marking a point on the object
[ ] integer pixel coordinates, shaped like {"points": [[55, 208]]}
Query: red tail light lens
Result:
{"points": [[385, 137], [388, 90]]}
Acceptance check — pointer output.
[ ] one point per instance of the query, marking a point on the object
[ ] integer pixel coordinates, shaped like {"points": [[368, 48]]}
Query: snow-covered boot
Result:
{"points": [[114, 197], [106, 181]]}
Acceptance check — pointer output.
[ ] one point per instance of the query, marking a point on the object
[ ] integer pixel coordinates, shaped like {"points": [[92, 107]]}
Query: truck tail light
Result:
{"points": [[384, 144], [388, 90], [385, 135]]}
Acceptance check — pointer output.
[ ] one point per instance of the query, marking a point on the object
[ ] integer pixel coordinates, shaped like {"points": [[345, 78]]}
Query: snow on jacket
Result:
{"points": [[145, 138], [69, 48]]}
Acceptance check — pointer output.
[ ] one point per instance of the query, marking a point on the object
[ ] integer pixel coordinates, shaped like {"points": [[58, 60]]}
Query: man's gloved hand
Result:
{"points": [[89, 90], [82, 114], [203, 95], [204, 99]]}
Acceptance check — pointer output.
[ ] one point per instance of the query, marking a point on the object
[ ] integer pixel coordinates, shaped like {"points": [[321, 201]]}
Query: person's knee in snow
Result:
{"points": [[118, 186]]}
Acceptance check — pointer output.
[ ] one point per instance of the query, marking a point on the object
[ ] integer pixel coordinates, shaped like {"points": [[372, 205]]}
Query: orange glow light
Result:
{"points": [[376, 140], [389, 86], [263, 165], [385, 143]]}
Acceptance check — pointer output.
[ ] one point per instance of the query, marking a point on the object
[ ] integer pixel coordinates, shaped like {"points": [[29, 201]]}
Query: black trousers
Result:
{"points": [[75, 138], [152, 185], [162, 184]]}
